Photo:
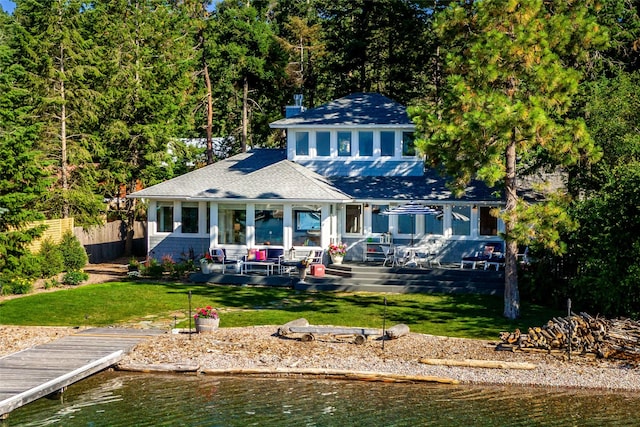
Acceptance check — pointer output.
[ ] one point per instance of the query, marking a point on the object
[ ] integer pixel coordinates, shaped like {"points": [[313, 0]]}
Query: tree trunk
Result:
{"points": [[64, 167], [207, 82], [245, 108], [130, 222], [511, 293]]}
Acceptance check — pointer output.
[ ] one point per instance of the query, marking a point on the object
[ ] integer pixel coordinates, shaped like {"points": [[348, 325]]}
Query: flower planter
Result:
{"points": [[207, 325], [206, 268], [337, 259]]}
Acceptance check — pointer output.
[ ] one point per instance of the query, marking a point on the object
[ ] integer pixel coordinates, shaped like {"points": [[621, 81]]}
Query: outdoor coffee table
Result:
{"points": [[247, 266]]}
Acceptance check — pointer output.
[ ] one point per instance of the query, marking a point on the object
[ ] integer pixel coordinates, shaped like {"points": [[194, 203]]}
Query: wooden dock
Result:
{"points": [[39, 371]]}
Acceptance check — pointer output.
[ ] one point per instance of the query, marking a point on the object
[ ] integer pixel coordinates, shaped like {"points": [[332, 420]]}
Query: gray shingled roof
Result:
{"points": [[255, 175], [358, 109], [431, 186]]}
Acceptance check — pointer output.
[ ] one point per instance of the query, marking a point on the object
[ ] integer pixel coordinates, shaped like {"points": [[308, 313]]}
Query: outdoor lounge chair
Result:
{"points": [[481, 257]]}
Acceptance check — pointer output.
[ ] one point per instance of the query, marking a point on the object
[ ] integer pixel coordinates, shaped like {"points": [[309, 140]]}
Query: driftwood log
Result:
{"points": [[580, 334], [397, 331], [473, 363], [285, 329]]}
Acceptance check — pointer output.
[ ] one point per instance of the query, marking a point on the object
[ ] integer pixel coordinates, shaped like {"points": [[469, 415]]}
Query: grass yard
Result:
{"points": [[113, 303]]}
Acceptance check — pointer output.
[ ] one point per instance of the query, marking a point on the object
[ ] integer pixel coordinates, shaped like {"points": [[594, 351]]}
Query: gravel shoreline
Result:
{"points": [[260, 349]]}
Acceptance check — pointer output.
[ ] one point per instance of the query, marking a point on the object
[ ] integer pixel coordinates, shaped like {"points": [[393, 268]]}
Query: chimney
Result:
{"points": [[297, 108]]}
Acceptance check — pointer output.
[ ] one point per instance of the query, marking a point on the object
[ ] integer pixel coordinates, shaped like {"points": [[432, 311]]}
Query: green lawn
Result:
{"points": [[471, 316]]}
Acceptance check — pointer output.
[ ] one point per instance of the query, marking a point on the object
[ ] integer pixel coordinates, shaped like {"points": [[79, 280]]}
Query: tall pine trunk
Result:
{"points": [[511, 293], [64, 167], [245, 108]]}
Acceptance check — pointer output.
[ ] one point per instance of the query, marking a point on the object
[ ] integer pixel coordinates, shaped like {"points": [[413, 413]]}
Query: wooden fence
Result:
{"points": [[103, 243], [107, 242], [55, 230]]}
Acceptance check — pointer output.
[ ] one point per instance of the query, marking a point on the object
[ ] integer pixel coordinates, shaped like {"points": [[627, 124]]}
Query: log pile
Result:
{"points": [[582, 334]]}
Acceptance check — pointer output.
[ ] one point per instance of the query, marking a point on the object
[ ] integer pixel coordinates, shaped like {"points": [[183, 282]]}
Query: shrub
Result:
{"points": [[29, 266], [51, 283], [168, 264], [74, 278], [73, 253], [52, 261], [153, 268], [20, 286]]}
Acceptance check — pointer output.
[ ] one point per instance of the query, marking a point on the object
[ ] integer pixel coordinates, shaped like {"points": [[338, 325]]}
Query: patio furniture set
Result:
{"points": [[411, 256], [270, 260]]}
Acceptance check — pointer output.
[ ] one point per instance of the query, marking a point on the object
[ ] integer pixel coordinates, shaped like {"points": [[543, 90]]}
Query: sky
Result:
{"points": [[7, 6]]}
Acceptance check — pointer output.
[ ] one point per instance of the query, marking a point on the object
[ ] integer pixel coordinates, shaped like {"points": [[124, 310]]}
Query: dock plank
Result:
{"points": [[33, 373]]}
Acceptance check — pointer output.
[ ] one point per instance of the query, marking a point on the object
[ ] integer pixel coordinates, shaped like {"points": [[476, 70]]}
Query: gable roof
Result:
{"points": [[357, 109], [262, 174]]}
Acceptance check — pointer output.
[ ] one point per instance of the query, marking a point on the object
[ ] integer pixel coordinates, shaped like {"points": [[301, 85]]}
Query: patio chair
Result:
{"points": [[219, 256], [481, 257], [389, 255]]}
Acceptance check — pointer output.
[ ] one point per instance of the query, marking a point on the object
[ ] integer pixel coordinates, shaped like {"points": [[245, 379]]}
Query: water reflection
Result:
{"points": [[117, 399]]}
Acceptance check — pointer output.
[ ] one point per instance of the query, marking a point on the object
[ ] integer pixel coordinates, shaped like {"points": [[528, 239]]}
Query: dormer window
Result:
{"points": [[323, 143], [387, 143], [365, 143], [408, 144], [344, 143], [302, 143]]}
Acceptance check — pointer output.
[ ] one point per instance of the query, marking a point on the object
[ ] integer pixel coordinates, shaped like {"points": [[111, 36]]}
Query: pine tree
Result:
{"points": [[509, 85], [59, 54], [147, 69], [23, 171]]}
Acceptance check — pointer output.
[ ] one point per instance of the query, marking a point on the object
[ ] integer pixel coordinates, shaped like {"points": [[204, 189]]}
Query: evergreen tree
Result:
{"points": [[59, 54], [23, 171], [509, 85], [248, 57], [147, 68]]}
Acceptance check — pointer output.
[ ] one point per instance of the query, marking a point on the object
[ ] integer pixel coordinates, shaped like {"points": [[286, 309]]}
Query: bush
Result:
{"points": [[51, 259], [20, 286], [153, 269], [74, 278], [51, 283], [74, 255], [29, 266]]}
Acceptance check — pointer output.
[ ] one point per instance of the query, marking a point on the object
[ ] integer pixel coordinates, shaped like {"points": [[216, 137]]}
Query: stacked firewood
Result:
{"points": [[580, 334]]}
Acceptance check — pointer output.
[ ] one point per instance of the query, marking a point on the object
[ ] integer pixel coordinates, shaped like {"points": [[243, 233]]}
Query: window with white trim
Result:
{"points": [[164, 217], [365, 143], [344, 143], [387, 144], [189, 218], [302, 143], [323, 143], [353, 219]]}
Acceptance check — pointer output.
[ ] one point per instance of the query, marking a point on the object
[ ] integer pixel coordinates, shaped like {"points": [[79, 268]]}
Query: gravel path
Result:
{"points": [[259, 348]]}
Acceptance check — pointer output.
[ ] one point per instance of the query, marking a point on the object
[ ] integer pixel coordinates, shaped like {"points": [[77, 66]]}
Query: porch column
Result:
{"points": [[250, 238], [214, 230], [446, 221], [287, 225], [325, 226]]}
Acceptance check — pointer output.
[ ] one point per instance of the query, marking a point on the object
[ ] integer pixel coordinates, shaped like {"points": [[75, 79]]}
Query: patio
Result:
{"points": [[373, 277]]}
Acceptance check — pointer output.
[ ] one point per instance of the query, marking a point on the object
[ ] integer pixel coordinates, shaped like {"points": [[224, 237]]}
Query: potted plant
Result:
{"points": [[206, 263], [337, 252], [207, 320]]}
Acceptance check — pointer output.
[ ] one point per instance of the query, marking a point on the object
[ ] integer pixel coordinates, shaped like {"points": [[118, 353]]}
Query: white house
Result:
{"points": [[346, 163]]}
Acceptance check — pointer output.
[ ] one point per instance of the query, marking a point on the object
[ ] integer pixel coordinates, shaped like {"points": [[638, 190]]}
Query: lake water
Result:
{"points": [[125, 399]]}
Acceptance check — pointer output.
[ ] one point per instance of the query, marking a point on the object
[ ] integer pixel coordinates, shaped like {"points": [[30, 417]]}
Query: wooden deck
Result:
{"points": [[39, 371]]}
